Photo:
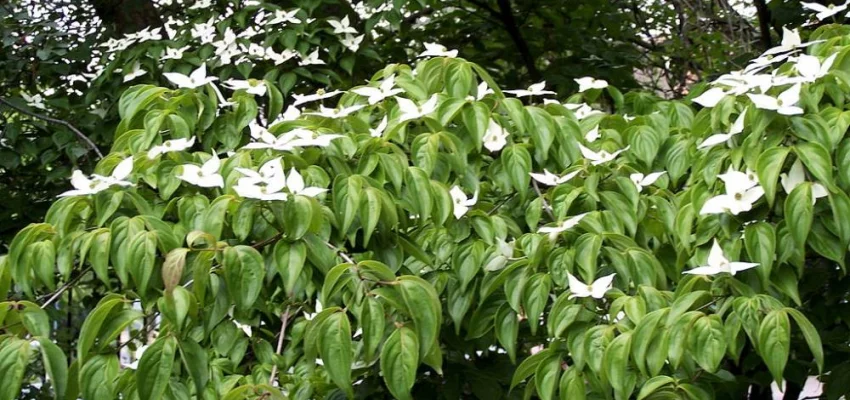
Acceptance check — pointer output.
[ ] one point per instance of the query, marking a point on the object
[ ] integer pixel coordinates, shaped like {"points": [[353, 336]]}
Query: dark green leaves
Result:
{"points": [[14, 357], [155, 368], [769, 167], [399, 360], [422, 303], [774, 342], [335, 349], [517, 163], [243, 271], [799, 213]]}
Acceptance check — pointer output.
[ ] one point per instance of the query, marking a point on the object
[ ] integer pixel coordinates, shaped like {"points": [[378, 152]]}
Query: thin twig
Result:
{"points": [[52, 120], [545, 203], [341, 253], [283, 322], [64, 287]]}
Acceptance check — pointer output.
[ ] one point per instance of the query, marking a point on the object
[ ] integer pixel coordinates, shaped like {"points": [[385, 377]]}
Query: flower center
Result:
{"points": [[739, 196]]}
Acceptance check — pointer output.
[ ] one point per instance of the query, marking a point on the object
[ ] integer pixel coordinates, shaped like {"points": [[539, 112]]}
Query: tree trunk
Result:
{"points": [[127, 16]]}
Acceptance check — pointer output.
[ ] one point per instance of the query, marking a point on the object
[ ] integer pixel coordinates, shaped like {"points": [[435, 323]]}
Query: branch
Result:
{"points": [[52, 120], [545, 203], [64, 287], [764, 23], [511, 26], [283, 322], [341, 253]]}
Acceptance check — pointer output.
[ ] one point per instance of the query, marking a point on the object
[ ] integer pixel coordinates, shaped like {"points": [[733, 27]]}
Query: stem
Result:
{"points": [[545, 203], [283, 322], [64, 287], [341, 253], [52, 120]]}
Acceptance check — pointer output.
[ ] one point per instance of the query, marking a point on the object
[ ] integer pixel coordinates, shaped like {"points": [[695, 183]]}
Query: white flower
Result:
{"points": [[135, 71], [377, 94], [718, 263], [263, 185], [790, 41], [597, 289], [581, 111], [284, 17], [601, 157], [251, 86], [318, 309], [533, 90], [785, 103], [319, 95], [409, 109], [36, 100], [333, 113], [824, 12], [588, 83], [291, 114], [742, 191], [204, 31], [496, 136], [298, 137], [710, 97], [244, 327], [592, 134], [199, 4], [280, 58], [138, 356], [204, 176], [737, 127], [351, 42], [461, 202], [437, 50], [97, 183], [763, 61], [796, 176], [481, 91], [171, 145], [174, 54], [196, 78], [379, 130], [549, 179], [811, 69], [342, 26], [311, 59], [642, 181], [554, 231], [295, 184]]}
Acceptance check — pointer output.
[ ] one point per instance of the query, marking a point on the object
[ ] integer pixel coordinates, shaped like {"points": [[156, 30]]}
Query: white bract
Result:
{"points": [[742, 191], [319, 95], [244, 327], [600, 157], [171, 145], [461, 202], [588, 83], [379, 130], [135, 71], [196, 78], [377, 94], [554, 231], [409, 109], [536, 89], [437, 50], [298, 137], [342, 26], [351, 42], [811, 68], [295, 184], [597, 289], [785, 103], [174, 54], [710, 97], [592, 134], [97, 183], [311, 59], [790, 41], [284, 17], [549, 179], [797, 175], [737, 127], [824, 12], [496, 136], [251, 86], [482, 90], [718, 263], [642, 181], [333, 113], [263, 185], [204, 176]]}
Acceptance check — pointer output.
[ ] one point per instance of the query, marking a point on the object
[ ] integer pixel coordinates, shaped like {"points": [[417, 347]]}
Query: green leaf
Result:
{"points": [[572, 385], [373, 324], [91, 326], [517, 162], [810, 334], [195, 360], [534, 299], [760, 241], [527, 367], [370, 213], [817, 161], [55, 365], [172, 268], [547, 375], [399, 361], [507, 329], [425, 309], [14, 357], [707, 342], [476, 118], [290, 259], [335, 349], [141, 260], [244, 271], [155, 368], [768, 168], [774, 342], [299, 216], [42, 260], [652, 385], [645, 143], [616, 361], [98, 375], [587, 251], [799, 213]]}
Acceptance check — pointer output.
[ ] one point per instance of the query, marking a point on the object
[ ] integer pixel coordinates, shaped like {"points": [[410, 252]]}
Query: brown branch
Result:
{"points": [[764, 23], [283, 322], [514, 32], [65, 287], [56, 121]]}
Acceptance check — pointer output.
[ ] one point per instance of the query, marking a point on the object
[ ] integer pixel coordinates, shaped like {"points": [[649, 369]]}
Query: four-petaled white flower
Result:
{"points": [[785, 103], [536, 89], [461, 202], [136, 71], [482, 90], [174, 54], [597, 289], [298, 137], [97, 183], [811, 69], [377, 94], [737, 127], [263, 185], [342, 26], [204, 176], [244, 328], [592, 134], [718, 263], [307, 98], [549, 179], [437, 50], [710, 97], [351, 42], [379, 130], [790, 41], [138, 356], [284, 17], [496, 136], [588, 83], [824, 12], [196, 78], [642, 181], [797, 175], [295, 184], [251, 86], [311, 59], [601, 156], [742, 191], [581, 111], [554, 231], [333, 113], [409, 109], [171, 145]]}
